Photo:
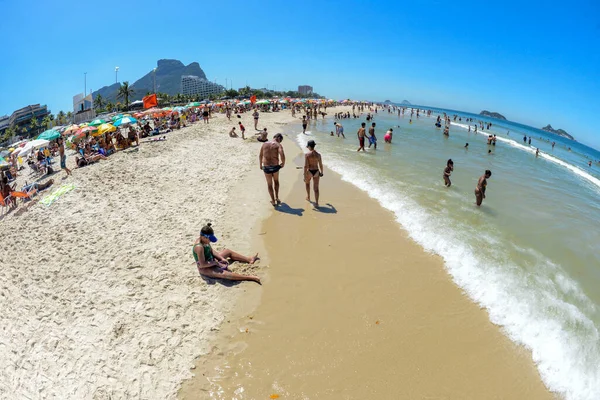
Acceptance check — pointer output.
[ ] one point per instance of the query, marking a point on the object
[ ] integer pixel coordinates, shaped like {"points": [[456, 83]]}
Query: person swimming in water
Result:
{"points": [[447, 172], [215, 264], [313, 169], [466, 146]]}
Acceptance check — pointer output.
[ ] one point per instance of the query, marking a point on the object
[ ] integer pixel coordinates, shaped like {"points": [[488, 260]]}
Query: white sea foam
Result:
{"points": [[576, 170], [533, 309]]}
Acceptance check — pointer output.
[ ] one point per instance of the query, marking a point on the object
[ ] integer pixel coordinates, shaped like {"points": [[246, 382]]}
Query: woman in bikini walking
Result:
{"points": [[313, 169]]}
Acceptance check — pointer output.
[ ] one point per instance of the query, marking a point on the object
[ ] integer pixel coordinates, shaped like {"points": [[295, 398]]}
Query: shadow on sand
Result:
{"points": [[326, 209], [286, 209]]}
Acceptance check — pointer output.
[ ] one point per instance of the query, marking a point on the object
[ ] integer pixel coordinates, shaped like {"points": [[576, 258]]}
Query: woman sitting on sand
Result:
{"points": [[214, 264]]}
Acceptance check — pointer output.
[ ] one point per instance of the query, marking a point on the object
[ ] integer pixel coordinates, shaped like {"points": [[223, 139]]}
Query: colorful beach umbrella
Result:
{"points": [[104, 128], [50, 134], [97, 122], [71, 129], [194, 104], [88, 129], [125, 121], [116, 117]]}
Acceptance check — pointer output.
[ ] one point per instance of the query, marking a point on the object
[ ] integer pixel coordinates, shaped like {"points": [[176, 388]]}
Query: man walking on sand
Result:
{"points": [[269, 159], [481, 186], [313, 169], [361, 137], [63, 156]]}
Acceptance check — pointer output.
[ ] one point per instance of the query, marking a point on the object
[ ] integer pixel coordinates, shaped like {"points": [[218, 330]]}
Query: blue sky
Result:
{"points": [[534, 63]]}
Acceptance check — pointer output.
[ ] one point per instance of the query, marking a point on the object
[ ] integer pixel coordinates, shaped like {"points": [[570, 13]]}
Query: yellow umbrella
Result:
{"points": [[11, 149], [102, 129]]}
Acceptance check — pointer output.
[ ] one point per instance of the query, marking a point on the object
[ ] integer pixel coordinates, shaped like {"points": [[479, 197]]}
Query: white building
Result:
{"points": [[192, 85]]}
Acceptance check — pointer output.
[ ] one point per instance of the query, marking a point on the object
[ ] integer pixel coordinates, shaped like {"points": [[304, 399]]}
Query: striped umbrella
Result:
{"points": [[125, 121], [87, 129]]}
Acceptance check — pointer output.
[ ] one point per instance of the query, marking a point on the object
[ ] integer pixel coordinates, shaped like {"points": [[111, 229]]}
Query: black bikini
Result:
{"points": [[314, 172]]}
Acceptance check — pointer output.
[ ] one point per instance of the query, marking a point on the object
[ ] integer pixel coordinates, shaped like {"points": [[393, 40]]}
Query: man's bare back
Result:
{"points": [[270, 153]]}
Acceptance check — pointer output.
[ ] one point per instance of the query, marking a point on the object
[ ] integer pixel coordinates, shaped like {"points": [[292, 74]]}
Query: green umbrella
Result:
{"points": [[97, 122], [116, 117], [2, 161], [50, 134], [194, 104]]}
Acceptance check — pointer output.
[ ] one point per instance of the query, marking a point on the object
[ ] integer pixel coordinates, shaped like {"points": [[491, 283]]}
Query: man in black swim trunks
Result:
{"points": [[269, 160], [304, 124]]}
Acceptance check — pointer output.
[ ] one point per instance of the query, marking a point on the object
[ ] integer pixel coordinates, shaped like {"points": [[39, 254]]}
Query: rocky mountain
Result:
{"points": [[388, 102], [559, 132], [405, 103], [490, 114], [168, 80]]}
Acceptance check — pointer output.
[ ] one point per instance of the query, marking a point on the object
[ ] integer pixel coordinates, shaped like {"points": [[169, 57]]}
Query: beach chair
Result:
{"points": [[24, 195], [6, 203]]}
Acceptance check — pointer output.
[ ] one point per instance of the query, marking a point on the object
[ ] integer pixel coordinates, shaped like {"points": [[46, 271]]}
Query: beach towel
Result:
{"points": [[51, 198]]}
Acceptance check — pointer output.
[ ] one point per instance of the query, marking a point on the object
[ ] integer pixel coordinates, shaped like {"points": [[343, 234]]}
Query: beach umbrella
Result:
{"points": [[87, 129], [125, 121], [262, 102], [194, 104], [3, 161], [50, 134], [116, 117], [104, 128], [71, 129], [97, 122], [34, 144]]}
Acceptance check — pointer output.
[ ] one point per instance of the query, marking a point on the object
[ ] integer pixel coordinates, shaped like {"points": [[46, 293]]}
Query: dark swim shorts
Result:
{"points": [[271, 169]]}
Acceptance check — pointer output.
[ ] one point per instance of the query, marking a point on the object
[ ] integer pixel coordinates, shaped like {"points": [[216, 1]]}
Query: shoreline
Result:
{"points": [[287, 356]]}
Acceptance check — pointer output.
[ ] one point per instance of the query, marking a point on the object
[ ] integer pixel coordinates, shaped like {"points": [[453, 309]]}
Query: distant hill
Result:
{"points": [[490, 114], [559, 132], [405, 103], [388, 102], [168, 80]]}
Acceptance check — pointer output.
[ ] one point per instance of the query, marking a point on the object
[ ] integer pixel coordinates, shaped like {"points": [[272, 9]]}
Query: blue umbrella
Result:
{"points": [[125, 121]]}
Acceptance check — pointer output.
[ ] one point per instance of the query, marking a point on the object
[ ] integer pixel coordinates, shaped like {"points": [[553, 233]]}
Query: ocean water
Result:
{"points": [[530, 255]]}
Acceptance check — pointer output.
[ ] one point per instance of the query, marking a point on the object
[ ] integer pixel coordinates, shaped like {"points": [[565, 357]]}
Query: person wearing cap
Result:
{"points": [[215, 264], [313, 169], [270, 154]]}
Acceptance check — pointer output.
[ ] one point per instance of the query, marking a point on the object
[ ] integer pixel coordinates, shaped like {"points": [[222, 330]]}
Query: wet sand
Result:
{"points": [[354, 309]]}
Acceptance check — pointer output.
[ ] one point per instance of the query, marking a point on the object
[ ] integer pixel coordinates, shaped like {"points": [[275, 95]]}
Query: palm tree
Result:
{"points": [[33, 125], [47, 122], [125, 92], [98, 102], [109, 106], [69, 116], [61, 117]]}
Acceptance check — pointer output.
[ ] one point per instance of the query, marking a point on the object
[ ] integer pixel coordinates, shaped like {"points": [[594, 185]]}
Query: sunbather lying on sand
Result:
{"points": [[214, 264]]}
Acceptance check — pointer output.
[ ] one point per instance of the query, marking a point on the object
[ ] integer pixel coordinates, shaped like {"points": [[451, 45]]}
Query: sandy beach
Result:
{"points": [[101, 298], [354, 309], [107, 302]]}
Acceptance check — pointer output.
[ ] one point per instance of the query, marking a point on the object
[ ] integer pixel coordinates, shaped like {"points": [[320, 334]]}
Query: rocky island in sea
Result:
{"points": [[559, 132], [492, 115]]}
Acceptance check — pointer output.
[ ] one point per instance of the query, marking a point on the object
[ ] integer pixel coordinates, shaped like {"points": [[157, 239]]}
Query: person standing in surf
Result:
{"points": [[372, 138], [269, 160], [304, 124], [361, 137], [481, 186], [447, 172], [313, 169]]}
